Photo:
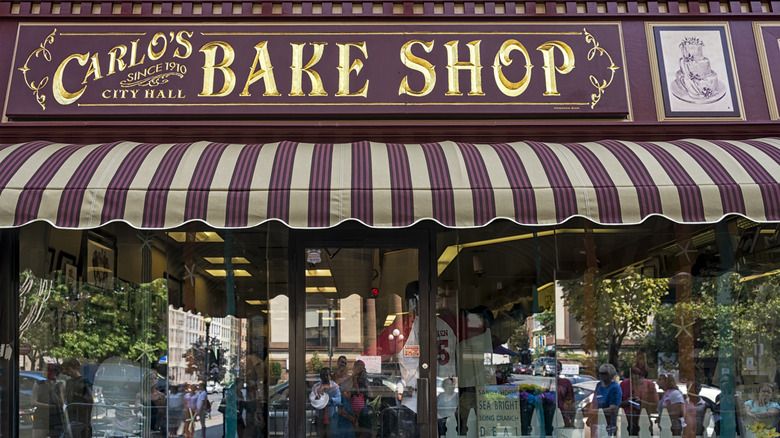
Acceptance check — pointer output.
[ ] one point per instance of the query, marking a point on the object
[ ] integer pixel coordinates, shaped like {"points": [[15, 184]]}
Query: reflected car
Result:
{"points": [[213, 388], [279, 409], [583, 393], [382, 386], [578, 378], [544, 366], [522, 369]]}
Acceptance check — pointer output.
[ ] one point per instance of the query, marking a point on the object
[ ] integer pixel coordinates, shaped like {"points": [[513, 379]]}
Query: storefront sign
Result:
{"points": [[570, 368], [498, 411], [136, 71], [411, 351]]}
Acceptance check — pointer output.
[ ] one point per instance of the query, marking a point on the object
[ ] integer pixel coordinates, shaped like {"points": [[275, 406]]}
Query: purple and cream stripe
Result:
{"points": [[160, 186]]}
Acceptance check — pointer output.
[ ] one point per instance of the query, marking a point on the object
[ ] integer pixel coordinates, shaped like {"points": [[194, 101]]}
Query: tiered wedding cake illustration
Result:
{"points": [[696, 81]]}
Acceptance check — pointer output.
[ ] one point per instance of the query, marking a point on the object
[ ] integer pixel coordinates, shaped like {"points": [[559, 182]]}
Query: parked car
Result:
{"points": [[544, 366], [522, 369]]}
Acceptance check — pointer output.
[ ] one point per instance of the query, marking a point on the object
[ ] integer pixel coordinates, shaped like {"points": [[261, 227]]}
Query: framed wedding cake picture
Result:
{"points": [[694, 74]]}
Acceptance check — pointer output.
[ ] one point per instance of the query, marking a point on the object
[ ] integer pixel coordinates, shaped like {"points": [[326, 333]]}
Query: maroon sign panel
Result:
{"points": [[84, 71]]}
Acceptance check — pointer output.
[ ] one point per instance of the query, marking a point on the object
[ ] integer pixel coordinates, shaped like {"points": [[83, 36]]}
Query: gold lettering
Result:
{"points": [[317, 88], [109, 94], [265, 72], [154, 56], [507, 87], [474, 66], [357, 65], [134, 54], [417, 64], [94, 68], [548, 51], [210, 51], [61, 95], [184, 43], [115, 60]]}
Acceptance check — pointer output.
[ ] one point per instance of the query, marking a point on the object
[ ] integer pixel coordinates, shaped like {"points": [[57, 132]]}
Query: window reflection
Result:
{"points": [[135, 331], [685, 314], [132, 333]]}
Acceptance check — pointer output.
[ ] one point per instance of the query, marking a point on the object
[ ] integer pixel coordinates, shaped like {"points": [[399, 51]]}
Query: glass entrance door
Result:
{"points": [[364, 354]]}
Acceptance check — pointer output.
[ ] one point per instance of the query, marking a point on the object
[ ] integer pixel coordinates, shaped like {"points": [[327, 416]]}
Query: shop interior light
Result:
{"points": [[257, 302], [335, 318], [200, 236], [223, 273], [452, 251], [328, 311], [389, 320], [322, 289], [318, 273], [221, 260]]}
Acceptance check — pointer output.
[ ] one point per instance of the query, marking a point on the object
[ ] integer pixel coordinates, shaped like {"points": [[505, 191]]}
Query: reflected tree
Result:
{"points": [[36, 296], [624, 304], [94, 323]]}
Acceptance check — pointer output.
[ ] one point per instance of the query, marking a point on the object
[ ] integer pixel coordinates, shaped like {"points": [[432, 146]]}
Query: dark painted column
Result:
{"points": [[9, 332]]}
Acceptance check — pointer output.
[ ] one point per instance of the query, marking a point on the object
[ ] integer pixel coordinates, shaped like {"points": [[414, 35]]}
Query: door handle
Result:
{"points": [[422, 401]]}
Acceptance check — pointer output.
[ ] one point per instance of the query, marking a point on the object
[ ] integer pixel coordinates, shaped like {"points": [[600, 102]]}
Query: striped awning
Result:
{"points": [[157, 186]]}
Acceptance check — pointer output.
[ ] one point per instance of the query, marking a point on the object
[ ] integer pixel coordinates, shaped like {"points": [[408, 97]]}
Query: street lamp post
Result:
{"points": [[207, 320]]}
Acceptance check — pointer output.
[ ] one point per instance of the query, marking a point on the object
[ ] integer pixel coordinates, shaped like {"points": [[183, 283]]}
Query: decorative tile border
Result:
{"points": [[363, 9]]}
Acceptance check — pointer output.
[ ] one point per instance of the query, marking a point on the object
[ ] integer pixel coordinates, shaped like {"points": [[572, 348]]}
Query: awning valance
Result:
{"points": [[157, 186]]}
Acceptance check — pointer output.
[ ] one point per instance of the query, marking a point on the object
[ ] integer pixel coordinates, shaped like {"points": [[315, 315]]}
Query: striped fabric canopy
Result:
{"points": [[156, 186]]}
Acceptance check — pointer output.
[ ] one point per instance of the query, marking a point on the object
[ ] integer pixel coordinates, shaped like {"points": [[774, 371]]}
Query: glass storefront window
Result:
{"points": [[669, 328], [363, 341], [130, 333], [656, 328]]}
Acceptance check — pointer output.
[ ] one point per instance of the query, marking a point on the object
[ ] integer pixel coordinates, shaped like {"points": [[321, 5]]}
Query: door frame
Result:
{"points": [[353, 235]]}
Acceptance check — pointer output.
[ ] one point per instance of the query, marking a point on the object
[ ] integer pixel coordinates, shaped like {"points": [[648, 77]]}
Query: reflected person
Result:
{"points": [[78, 400], [672, 402], [638, 393], [325, 397], [47, 401], [607, 397]]}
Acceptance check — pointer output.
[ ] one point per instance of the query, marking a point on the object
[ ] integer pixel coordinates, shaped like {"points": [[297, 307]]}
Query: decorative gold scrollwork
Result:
{"points": [[36, 88], [153, 81], [600, 86]]}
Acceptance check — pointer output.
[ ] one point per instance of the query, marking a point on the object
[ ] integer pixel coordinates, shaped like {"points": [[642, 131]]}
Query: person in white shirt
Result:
{"points": [[175, 410], [202, 407]]}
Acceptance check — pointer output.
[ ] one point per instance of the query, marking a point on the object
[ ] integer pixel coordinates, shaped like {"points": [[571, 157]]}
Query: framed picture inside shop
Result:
{"points": [[64, 259], [693, 71], [767, 34], [100, 260]]}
